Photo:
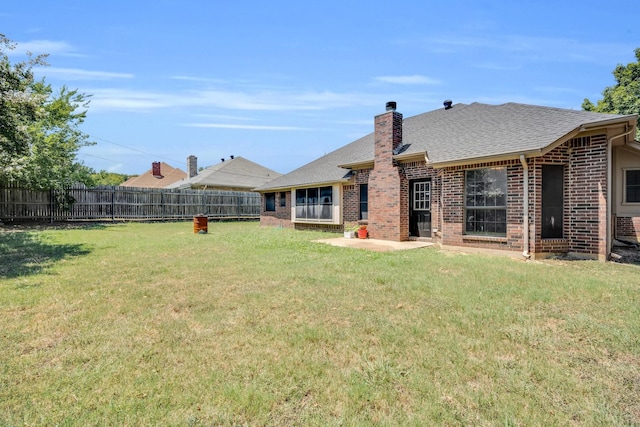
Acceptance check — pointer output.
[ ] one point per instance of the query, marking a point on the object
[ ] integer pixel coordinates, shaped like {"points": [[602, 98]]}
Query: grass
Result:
{"points": [[150, 324]]}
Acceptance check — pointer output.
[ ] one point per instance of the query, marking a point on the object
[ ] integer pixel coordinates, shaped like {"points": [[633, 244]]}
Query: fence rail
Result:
{"points": [[124, 203]]}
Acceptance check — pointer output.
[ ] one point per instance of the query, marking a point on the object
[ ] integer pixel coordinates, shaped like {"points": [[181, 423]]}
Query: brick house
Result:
{"points": [[512, 177]]}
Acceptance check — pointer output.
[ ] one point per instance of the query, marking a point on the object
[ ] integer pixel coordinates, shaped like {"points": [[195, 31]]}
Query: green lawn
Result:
{"points": [[150, 324]]}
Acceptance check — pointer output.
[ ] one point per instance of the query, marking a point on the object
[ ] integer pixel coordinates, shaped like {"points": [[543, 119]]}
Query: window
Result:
{"points": [[283, 199], [552, 201], [364, 201], [422, 196], [314, 203], [486, 201], [632, 186], [270, 202]]}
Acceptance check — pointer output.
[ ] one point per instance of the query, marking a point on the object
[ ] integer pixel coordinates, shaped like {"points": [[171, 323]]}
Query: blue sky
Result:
{"points": [[284, 82]]}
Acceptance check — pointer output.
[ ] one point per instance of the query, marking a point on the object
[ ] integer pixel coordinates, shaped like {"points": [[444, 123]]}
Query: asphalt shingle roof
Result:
{"points": [[169, 176], [462, 133], [235, 173]]}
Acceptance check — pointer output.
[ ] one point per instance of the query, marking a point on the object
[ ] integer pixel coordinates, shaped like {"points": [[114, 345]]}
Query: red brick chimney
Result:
{"points": [[387, 198], [156, 170]]}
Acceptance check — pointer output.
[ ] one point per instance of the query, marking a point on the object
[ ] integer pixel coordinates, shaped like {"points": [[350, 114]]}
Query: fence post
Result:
{"points": [[113, 204], [162, 210], [51, 204]]}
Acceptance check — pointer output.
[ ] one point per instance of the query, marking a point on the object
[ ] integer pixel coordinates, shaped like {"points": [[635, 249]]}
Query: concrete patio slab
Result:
{"points": [[374, 245]]}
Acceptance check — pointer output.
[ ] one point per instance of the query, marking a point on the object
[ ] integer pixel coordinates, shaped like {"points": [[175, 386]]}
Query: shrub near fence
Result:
{"points": [[125, 203]]}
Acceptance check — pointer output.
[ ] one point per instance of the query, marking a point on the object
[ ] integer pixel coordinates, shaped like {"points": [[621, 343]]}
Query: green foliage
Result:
{"points": [[19, 105], [39, 129], [108, 178], [624, 96], [55, 140]]}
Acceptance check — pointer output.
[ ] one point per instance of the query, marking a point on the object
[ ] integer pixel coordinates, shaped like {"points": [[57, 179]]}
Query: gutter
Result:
{"points": [[525, 205], [609, 237]]}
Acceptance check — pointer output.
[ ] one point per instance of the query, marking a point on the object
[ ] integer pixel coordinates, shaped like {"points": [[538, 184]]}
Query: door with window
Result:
{"points": [[420, 208]]}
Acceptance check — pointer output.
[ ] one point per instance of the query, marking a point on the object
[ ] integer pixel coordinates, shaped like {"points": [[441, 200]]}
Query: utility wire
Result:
{"points": [[140, 151], [97, 157]]}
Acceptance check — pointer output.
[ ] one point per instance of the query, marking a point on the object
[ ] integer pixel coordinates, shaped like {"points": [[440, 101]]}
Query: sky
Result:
{"points": [[282, 82]]}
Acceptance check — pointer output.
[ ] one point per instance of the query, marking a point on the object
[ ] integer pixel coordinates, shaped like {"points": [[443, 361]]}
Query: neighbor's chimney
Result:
{"points": [[192, 166], [155, 170]]}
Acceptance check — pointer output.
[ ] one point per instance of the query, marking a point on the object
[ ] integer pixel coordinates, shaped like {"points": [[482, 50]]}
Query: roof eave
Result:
{"points": [[412, 157], [588, 129], [305, 185], [484, 159], [629, 118], [367, 164]]}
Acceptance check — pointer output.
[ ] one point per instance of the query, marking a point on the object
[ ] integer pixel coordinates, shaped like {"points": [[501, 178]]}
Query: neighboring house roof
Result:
{"points": [[235, 173], [465, 133], [168, 175]]}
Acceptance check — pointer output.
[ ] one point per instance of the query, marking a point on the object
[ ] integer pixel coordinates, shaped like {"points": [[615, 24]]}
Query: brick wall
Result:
{"points": [[453, 209], [585, 197], [351, 198], [387, 202], [420, 170], [350, 203], [406, 173], [558, 156], [628, 228], [281, 217], [587, 201]]}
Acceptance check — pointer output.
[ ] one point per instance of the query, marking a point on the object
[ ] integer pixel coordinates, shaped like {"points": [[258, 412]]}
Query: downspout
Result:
{"points": [[525, 207], [609, 195]]}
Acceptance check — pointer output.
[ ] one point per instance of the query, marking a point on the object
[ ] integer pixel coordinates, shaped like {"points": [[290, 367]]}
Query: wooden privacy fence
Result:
{"points": [[125, 203]]}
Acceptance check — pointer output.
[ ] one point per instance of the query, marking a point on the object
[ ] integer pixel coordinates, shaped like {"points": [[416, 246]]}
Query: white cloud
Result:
{"points": [[530, 49], [198, 79], [79, 74], [132, 100], [39, 47], [127, 100], [415, 79]]}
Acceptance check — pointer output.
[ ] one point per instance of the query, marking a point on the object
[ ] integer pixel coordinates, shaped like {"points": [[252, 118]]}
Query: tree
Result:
{"points": [[39, 130], [108, 178], [55, 140], [624, 96], [19, 105]]}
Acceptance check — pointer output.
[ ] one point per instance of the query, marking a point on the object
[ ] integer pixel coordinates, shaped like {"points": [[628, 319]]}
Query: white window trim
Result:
{"points": [[336, 203], [428, 192], [624, 187]]}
